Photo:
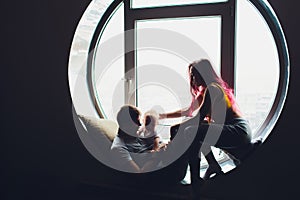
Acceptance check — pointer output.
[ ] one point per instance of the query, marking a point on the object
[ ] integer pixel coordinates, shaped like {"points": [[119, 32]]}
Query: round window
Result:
{"points": [[137, 52]]}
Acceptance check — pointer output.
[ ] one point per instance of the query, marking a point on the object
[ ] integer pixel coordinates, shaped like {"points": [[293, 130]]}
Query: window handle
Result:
{"points": [[129, 90]]}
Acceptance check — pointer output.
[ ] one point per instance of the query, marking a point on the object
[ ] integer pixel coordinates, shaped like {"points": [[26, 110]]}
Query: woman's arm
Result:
{"points": [[175, 114], [196, 102]]}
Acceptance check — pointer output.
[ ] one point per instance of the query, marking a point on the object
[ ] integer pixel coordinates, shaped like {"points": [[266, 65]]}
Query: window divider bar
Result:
{"points": [[179, 11], [228, 46], [130, 54]]}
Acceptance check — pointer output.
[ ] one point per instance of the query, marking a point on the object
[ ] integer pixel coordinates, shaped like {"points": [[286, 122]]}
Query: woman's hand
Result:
{"points": [[162, 116]]}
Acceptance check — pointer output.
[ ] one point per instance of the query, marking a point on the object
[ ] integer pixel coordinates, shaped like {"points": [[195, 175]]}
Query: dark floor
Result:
{"points": [[103, 191]]}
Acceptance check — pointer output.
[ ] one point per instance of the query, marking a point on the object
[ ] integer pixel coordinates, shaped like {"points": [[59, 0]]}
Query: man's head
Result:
{"points": [[128, 119]]}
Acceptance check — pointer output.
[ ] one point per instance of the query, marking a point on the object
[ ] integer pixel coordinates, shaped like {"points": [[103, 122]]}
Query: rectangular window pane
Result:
{"points": [[160, 3], [162, 71], [257, 65], [109, 66]]}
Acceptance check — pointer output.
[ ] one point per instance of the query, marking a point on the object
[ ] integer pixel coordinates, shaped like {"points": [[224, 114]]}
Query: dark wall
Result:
{"points": [[41, 153]]}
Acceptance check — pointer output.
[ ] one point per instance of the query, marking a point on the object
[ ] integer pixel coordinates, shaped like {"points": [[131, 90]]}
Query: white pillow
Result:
{"points": [[106, 127]]}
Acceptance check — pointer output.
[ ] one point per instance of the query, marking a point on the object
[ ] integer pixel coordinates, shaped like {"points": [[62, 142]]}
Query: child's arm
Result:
{"points": [[156, 144], [140, 130]]}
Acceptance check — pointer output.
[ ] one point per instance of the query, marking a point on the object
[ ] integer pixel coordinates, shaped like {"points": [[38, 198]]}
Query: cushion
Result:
{"points": [[106, 127], [97, 136]]}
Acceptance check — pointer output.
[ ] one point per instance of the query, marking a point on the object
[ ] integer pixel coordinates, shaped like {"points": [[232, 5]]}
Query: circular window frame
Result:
{"points": [[273, 23]]}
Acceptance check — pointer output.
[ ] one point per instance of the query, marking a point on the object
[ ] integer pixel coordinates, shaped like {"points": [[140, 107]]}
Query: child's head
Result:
{"points": [[150, 120]]}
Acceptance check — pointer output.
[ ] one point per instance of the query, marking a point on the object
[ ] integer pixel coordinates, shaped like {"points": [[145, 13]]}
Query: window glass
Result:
{"points": [[159, 3], [257, 65], [108, 66], [203, 31]]}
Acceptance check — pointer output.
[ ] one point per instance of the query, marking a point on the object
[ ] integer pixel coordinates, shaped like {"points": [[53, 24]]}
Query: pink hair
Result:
{"points": [[229, 93], [197, 87]]}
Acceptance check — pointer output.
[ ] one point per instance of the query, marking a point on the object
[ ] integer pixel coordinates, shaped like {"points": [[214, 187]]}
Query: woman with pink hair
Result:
{"points": [[218, 121]]}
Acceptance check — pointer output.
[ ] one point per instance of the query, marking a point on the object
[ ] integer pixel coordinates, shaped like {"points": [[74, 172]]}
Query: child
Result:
{"points": [[148, 133]]}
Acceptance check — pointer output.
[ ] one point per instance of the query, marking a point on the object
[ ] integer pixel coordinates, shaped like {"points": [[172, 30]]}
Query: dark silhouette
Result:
{"points": [[131, 153], [218, 121]]}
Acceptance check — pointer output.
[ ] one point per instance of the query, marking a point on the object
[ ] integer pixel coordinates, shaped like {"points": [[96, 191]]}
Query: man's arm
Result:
{"points": [[122, 158], [133, 167]]}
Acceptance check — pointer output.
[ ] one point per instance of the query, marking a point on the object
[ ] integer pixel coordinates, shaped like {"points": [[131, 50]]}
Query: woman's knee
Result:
{"points": [[196, 132], [190, 133]]}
